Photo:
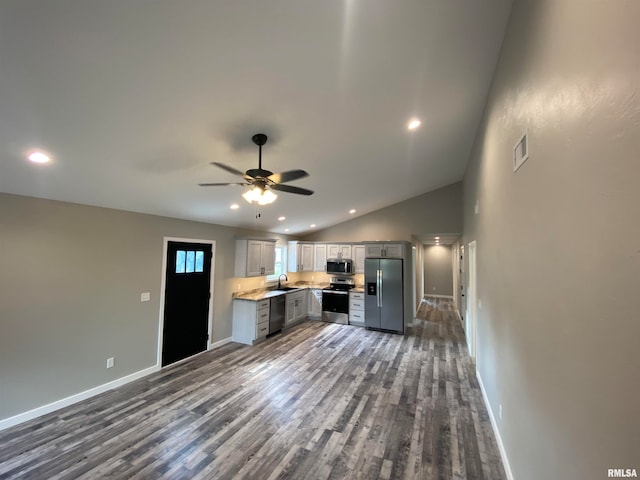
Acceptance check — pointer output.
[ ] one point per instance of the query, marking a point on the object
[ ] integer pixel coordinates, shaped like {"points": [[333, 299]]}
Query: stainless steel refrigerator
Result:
{"points": [[384, 296]]}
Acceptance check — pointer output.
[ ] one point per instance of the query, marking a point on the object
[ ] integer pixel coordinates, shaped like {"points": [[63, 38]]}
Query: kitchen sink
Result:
{"points": [[288, 289]]}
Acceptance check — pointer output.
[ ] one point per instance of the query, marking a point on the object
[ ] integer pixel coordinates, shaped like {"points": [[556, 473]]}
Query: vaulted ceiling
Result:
{"points": [[134, 99]]}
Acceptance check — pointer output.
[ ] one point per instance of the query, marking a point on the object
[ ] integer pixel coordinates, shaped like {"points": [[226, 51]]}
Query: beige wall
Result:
{"points": [[438, 270], [70, 287], [558, 252], [439, 211]]}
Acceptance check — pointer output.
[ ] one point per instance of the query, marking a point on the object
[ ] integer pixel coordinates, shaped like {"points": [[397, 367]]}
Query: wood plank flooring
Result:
{"points": [[321, 401]]}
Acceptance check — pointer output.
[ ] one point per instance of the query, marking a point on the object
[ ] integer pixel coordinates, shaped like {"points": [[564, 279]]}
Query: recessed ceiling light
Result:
{"points": [[437, 238], [413, 124], [38, 157], [234, 206], [286, 229], [282, 218], [352, 211], [313, 225]]}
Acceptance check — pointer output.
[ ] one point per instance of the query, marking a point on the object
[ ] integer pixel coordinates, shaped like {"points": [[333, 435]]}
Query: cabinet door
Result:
{"points": [[358, 258], [306, 253], [290, 310], [302, 304], [345, 251], [333, 251], [373, 250], [254, 258], [269, 257], [320, 257], [292, 256], [393, 250], [314, 303]]}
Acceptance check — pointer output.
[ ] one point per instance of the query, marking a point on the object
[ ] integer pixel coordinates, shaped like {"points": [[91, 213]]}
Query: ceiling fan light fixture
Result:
{"points": [[260, 196]]}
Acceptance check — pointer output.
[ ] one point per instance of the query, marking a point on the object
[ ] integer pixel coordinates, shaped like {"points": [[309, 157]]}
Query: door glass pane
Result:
{"points": [[180, 255], [199, 261], [191, 260]]}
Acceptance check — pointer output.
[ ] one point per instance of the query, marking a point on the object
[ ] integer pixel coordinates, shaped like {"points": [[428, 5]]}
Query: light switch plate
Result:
{"points": [[145, 297]]}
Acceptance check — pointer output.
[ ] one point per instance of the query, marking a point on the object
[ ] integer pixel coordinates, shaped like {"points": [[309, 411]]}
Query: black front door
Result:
{"points": [[186, 300]]}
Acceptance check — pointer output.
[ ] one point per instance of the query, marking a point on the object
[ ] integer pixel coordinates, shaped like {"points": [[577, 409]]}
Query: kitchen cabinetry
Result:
{"points": [[338, 251], [300, 257], [315, 303], [296, 307], [387, 250], [319, 257], [356, 308], [250, 321], [255, 258], [358, 252]]}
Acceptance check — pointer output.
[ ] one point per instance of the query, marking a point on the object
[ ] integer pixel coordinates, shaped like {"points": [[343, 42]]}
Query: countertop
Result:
{"points": [[264, 293]]}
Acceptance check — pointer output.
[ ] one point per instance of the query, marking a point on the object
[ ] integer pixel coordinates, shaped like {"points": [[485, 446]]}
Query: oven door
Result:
{"points": [[335, 306]]}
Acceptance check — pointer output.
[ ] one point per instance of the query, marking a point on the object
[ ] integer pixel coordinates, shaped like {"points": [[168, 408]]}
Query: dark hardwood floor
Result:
{"points": [[319, 401]]}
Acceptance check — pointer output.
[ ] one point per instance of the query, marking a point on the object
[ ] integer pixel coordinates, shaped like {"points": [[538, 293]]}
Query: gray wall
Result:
{"points": [[70, 287], [439, 211], [558, 252], [438, 270]]}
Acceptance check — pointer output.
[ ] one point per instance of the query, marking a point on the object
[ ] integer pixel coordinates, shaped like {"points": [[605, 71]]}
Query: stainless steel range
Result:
{"points": [[335, 300]]}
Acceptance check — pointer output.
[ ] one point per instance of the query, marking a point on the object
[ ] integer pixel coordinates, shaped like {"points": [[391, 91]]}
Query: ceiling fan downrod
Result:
{"points": [[259, 139]]}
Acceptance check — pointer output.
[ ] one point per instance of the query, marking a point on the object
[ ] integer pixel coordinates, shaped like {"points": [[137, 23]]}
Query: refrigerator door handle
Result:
{"points": [[379, 286]]}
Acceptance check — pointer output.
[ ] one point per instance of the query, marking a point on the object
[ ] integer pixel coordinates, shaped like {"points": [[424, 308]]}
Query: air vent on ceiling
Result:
{"points": [[520, 152]]}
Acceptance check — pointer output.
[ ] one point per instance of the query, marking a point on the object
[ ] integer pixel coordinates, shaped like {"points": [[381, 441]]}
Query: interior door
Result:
{"points": [[186, 301]]}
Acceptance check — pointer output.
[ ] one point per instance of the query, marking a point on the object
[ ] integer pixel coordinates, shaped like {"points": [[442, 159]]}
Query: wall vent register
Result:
{"points": [[520, 152]]}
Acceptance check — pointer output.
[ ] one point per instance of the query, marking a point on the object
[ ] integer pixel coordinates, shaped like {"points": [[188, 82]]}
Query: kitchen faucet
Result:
{"points": [[285, 277]]}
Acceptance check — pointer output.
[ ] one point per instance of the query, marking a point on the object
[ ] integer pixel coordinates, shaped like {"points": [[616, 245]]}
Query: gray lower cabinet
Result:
{"points": [[250, 321]]}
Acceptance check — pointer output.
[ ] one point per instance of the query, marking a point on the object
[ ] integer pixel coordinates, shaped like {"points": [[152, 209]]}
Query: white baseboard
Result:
{"points": [[496, 432], [438, 296], [78, 397], [219, 343]]}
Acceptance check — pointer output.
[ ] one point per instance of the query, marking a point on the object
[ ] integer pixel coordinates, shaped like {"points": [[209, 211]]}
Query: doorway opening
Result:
{"points": [[186, 304]]}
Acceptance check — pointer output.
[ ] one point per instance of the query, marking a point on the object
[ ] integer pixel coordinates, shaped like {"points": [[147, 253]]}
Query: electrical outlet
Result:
{"points": [[237, 287], [110, 362], [500, 411], [145, 297], [479, 304]]}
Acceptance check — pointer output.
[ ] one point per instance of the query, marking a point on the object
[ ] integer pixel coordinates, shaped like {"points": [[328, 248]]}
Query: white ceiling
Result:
{"points": [[133, 99]]}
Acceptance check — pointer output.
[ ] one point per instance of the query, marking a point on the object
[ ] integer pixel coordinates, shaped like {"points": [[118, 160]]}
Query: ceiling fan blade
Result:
{"points": [[230, 169], [291, 189], [288, 176], [222, 184]]}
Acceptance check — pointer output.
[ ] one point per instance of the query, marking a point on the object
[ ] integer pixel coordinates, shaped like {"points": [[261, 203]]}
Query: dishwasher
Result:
{"points": [[276, 313]]}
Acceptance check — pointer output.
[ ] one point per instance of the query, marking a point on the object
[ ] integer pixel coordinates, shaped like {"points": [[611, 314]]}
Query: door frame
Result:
{"points": [[163, 282], [472, 302]]}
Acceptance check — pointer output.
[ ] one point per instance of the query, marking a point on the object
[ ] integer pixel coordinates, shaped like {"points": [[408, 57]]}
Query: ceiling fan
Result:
{"points": [[263, 180]]}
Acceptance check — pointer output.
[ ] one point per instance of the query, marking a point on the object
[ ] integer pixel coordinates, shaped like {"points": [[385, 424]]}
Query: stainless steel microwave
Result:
{"points": [[340, 266]]}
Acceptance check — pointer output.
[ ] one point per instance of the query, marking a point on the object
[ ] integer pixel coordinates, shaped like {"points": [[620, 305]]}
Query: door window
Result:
{"points": [[189, 261]]}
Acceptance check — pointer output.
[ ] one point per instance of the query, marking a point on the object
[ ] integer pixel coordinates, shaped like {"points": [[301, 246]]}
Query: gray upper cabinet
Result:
{"points": [[255, 258], [300, 257], [381, 250], [358, 252]]}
